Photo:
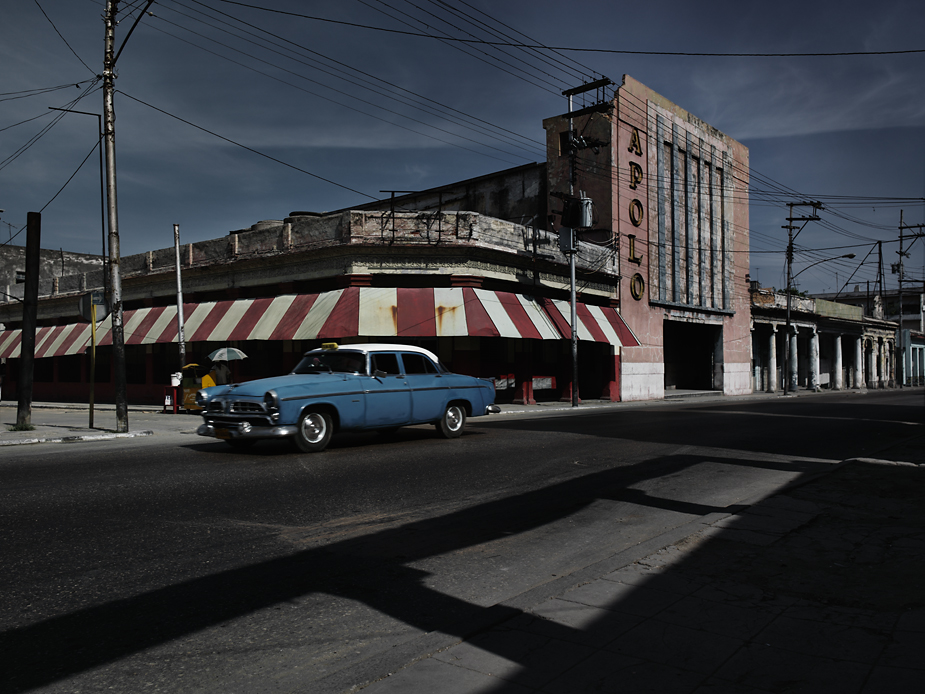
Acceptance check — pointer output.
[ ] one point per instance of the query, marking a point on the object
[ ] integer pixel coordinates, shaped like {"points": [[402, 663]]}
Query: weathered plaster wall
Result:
{"points": [[54, 266], [515, 195], [312, 248]]}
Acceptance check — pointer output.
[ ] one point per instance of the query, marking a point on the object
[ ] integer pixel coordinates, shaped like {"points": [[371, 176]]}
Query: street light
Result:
{"points": [[102, 186], [790, 278]]}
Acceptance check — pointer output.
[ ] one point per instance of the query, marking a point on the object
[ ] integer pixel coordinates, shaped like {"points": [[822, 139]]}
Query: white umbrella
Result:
{"points": [[227, 354]]}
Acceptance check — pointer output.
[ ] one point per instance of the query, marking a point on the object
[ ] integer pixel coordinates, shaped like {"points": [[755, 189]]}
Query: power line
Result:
{"points": [[61, 36], [571, 48], [373, 79], [249, 149], [476, 128]]}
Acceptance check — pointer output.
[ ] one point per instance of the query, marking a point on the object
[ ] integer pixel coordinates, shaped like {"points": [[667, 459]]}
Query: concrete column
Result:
{"points": [[872, 367], [814, 361], [794, 361], [881, 365], [772, 361], [889, 363], [719, 369], [839, 378], [859, 364]]}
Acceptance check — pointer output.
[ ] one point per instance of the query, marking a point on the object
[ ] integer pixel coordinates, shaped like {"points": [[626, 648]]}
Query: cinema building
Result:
{"points": [[471, 270]]}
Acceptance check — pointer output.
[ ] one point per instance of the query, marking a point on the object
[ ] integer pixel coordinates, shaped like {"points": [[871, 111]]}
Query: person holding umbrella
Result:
{"points": [[220, 373]]}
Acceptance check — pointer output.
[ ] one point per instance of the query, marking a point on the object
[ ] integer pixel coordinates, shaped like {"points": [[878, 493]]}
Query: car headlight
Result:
{"points": [[271, 401], [202, 399]]}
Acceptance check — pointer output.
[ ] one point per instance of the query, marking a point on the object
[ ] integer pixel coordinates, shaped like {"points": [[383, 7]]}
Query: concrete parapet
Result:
{"points": [[395, 233]]}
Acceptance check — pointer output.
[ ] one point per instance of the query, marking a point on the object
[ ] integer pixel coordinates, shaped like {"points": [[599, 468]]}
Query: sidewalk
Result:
{"points": [[819, 588], [70, 423]]}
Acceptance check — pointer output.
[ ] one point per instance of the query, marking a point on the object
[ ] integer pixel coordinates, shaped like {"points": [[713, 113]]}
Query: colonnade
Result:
{"points": [[876, 372]]}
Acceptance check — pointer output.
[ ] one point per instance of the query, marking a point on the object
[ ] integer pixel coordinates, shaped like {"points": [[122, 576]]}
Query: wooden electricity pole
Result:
{"points": [[29, 317]]}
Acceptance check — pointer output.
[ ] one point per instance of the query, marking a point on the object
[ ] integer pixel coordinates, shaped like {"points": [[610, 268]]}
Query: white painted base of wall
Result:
{"points": [[642, 382], [737, 379]]}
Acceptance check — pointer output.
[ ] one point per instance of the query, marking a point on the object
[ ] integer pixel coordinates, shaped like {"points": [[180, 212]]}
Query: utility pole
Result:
{"points": [[115, 275], [29, 317], [880, 278], [790, 237], [570, 227], [573, 298], [902, 339]]}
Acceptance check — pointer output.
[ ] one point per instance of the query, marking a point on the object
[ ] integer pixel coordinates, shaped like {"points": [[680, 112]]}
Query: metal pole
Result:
{"points": [[109, 116], [180, 336], [902, 340], [92, 357]]}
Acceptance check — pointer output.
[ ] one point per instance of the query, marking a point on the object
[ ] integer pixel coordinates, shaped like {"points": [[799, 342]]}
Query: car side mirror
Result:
{"points": [[379, 373]]}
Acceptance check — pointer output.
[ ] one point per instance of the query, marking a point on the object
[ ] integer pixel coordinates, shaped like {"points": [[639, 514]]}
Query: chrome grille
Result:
{"points": [[246, 408]]}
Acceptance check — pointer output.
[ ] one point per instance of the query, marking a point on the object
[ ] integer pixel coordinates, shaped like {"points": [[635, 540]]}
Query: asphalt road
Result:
{"points": [[172, 563]]}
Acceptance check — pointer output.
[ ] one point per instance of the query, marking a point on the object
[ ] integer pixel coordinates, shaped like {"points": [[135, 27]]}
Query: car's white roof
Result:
{"points": [[368, 347]]}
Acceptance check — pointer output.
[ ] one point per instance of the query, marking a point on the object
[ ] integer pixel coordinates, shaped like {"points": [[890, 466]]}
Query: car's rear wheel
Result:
{"points": [[452, 422], [314, 432]]}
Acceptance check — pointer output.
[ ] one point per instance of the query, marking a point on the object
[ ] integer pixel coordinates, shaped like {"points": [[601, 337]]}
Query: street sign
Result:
{"points": [[97, 299]]}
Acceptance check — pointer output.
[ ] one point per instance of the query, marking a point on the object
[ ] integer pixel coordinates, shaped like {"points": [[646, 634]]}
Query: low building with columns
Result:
{"points": [[832, 346]]}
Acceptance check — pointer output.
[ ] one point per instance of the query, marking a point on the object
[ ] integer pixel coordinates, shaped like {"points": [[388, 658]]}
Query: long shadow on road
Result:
{"points": [[372, 569], [815, 590]]}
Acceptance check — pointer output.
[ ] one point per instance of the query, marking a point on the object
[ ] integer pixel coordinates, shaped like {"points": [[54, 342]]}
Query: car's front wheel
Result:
{"points": [[452, 422], [314, 432]]}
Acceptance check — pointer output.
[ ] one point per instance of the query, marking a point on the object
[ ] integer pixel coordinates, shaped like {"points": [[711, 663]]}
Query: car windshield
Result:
{"points": [[332, 362]]}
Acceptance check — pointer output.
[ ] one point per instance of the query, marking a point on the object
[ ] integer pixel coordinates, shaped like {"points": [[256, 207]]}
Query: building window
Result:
{"points": [[20, 277]]}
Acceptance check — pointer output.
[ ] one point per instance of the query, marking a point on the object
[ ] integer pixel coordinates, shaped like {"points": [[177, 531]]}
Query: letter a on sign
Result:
{"points": [[635, 145]]}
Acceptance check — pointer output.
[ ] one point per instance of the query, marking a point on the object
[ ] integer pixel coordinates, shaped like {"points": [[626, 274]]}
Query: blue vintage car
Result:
{"points": [[346, 388]]}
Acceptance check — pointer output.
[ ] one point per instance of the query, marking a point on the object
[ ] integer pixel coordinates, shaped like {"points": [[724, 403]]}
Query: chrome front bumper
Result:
{"points": [[244, 430], [492, 409]]}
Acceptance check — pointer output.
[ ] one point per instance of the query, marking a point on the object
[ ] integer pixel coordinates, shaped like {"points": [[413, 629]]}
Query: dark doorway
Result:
{"points": [[690, 355]]}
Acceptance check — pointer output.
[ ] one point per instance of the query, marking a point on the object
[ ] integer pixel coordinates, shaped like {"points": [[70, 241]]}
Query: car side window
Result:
{"points": [[417, 364], [386, 362]]}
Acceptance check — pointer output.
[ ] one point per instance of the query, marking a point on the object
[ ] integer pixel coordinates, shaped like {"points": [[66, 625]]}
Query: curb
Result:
{"points": [[78, 439]]}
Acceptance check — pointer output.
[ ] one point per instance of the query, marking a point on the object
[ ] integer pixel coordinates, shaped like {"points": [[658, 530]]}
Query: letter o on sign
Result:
{"points": [[637, 286], [636, 212]]}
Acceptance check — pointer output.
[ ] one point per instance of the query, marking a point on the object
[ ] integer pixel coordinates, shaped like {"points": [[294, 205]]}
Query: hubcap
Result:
{"points": [[453, 418], [313, 428]]}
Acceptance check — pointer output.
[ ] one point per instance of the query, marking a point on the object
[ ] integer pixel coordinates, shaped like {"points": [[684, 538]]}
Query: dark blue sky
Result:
{"points": [[847, 129]]}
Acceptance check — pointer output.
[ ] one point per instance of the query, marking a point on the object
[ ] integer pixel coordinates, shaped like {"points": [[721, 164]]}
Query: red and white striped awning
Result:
{"points": [[595, 323], [351, 312]]}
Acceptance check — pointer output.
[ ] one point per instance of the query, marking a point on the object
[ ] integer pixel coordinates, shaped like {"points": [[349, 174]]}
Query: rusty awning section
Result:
{"points": [[352, 312]]}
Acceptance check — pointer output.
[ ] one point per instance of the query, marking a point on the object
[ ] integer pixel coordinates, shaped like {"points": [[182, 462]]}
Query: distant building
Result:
{"points": [[832, 345], [910, 322]]}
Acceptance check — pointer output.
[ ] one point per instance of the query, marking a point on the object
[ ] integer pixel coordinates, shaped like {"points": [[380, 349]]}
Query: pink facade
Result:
{"points": [[670, 194]]}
